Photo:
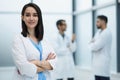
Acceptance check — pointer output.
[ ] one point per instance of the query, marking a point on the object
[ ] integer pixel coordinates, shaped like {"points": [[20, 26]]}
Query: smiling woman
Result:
{"points": [[33, 56], [30, 17]]}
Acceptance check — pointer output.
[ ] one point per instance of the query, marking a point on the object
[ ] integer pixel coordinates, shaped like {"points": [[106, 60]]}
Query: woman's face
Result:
{"points": [[30, 18]]}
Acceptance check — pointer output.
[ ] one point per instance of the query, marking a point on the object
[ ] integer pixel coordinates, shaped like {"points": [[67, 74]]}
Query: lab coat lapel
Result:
{"points": [[31, 47]]}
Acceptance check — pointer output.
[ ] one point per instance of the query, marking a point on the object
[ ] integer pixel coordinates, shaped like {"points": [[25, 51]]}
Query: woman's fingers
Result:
{"points": [[33, 61], [54, 57], [51, 56]]}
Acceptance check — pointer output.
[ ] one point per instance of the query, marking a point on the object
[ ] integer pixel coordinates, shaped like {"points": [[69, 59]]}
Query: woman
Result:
{"points": [[34, 57]]}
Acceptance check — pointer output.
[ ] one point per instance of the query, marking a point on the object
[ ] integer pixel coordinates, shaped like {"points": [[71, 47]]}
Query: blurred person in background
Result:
{"points": [[64, 47], [101, 49]]}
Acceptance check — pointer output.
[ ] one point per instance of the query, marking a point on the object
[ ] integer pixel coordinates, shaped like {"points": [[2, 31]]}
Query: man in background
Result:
{"points": [[101, 49], [64, 47]]}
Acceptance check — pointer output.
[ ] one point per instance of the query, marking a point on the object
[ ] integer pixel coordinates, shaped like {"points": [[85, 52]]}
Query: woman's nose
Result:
{"points": [[31, 17]]}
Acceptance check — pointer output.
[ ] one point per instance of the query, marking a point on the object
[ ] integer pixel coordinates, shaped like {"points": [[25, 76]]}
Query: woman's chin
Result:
{"points": [[31, 26]]}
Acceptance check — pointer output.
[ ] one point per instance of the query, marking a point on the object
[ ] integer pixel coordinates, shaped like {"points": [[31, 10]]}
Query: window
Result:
{"points": [[10, 26], [12, 5], [84, 35], [100, 2], [83, 4], [55, 6]]}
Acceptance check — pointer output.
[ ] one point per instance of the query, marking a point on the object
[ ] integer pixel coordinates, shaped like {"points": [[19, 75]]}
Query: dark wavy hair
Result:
{"points": [[39, 29]]}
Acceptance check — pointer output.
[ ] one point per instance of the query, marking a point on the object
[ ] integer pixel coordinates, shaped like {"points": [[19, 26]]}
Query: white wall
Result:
{"points": [[6, 73], [10, 25]]}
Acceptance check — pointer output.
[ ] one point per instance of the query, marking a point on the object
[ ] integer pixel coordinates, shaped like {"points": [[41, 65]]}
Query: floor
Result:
{"points": [[81, 74]]}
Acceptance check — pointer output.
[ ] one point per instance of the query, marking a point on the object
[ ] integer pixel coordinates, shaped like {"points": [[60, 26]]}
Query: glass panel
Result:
{"points": [[12, 5], [55, 5], [84, 35], [99, 2], [110, 12], [83, 4], [10, 26]]}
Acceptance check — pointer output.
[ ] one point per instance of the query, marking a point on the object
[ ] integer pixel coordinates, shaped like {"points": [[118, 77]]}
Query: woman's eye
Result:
{"points": [[35, 15], [27, 15]]}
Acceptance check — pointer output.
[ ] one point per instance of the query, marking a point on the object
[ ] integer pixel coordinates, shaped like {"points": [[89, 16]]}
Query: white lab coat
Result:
{"points": [[65, 63], [101, 49], [23, 52]]}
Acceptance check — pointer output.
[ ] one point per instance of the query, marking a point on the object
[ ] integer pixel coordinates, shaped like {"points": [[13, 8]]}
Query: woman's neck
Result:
{"points": [[31, 32], [32, 36]]}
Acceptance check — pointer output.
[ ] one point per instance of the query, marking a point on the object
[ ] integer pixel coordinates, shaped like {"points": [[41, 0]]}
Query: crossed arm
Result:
{"points": [[44, 64]]}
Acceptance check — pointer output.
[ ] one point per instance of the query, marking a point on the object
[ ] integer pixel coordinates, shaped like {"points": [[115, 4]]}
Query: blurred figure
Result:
{"points": [[101, 46], [64, 47]]}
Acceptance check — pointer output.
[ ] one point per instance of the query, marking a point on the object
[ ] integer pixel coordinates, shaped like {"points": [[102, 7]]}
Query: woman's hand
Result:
{"points": [[42, 65], [51, 56], [36, 62]]}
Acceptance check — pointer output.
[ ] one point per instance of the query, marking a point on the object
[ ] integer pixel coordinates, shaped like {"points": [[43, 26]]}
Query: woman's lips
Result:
{"points": [[31, 23]]}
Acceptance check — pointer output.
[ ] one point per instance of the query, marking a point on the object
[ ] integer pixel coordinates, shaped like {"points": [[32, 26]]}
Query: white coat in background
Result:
{"points": [[64, 49], [23, 52], [101, 51]]}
